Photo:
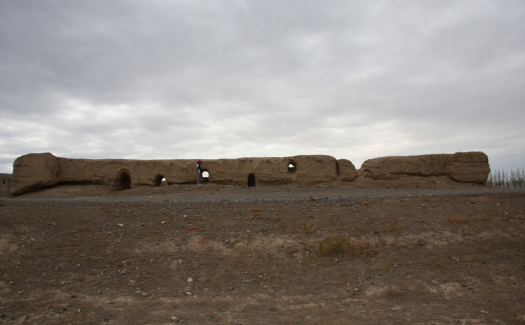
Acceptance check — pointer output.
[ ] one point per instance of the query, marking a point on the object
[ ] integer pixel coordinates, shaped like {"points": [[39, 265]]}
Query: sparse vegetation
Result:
{"points": [[79, 316], [385, 267], [392, 291], [332, 322], [514, 318], [339, 245], [457, 218], [309, 228], [300, 261], [256, 209], [435, 263], [481, 217], [514, 179], [394, 228]]}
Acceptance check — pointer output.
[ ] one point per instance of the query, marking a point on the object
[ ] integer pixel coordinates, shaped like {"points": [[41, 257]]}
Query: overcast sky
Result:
{"points": [[225, 79]]}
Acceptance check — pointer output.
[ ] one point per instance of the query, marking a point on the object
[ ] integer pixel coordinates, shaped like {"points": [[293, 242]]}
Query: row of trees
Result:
{"points": [[514, 179]]}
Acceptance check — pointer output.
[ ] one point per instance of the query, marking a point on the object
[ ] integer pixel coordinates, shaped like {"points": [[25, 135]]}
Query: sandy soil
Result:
{"points": [[223, 255]]}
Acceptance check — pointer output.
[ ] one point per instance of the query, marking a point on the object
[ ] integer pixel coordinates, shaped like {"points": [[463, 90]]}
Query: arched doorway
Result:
{"points": [[291, 167], [251, 180], [123, 181], [205, 176], [160, 180]]}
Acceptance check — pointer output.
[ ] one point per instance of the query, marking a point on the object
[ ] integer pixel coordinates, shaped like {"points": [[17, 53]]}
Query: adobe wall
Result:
{"points": [[35, 171], [463, 167], [40, 170]]}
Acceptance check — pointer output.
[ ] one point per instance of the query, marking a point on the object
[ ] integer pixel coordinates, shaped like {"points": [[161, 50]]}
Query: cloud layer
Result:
{"points": [[187, 79]]}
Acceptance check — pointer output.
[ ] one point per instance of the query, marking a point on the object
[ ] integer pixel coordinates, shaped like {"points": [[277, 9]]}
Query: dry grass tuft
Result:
{"points": [[392, 291], [433, 262], [339, 245], [333, 246], [480, 216], [78, 313], [384, 267], [86, 228], [332, 322], [73, 254], [395, 228], [107, 207], [256, 209], [457, 218], [308, 228], [513, 317]]}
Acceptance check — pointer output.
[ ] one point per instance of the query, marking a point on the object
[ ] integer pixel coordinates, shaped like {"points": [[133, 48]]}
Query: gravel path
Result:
{"points": [[232, 195]]}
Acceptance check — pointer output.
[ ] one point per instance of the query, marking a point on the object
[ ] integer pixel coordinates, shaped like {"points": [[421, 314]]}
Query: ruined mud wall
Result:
{"points": [[35, 171], [41, 170], [463, 167]]}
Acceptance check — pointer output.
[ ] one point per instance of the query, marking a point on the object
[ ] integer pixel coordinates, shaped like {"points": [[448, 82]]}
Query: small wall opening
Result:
{"points": [[160, 180], [291, 167], [205, 176], [251, 180], [124, 181]]}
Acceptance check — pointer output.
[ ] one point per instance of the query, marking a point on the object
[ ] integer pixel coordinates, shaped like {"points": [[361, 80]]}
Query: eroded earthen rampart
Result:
{"points": [[41, 170]]}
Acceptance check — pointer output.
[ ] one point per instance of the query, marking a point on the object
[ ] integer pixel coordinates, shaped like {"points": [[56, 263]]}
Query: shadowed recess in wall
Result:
{"points": [[291, 167], [251, 180], [124, 181], [159, 179]]}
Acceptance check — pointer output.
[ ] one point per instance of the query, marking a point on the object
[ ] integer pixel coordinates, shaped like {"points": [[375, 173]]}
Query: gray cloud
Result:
{"points": [[164, 79]]}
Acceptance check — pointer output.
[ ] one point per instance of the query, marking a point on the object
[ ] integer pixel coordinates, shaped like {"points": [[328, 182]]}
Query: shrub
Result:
{"points": [[309, 228], [482, 216], [339, 245], [394, 228], [392, 291], [456, 219]]}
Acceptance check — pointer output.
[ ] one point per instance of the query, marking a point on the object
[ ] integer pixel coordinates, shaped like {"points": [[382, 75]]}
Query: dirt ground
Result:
{"points": [[219, 255]]}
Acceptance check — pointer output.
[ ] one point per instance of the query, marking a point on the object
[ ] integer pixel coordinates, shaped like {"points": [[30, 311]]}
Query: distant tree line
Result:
{"points": [[514, 179]]}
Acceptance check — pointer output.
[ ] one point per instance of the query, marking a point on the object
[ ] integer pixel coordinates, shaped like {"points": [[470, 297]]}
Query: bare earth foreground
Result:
{"points": [[226, 255]]}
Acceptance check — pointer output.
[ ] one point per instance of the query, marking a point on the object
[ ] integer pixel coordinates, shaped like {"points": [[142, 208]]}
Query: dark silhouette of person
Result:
{"points": [[199, 172]]}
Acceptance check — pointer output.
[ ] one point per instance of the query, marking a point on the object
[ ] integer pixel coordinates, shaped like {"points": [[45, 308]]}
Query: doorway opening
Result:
{"points": [[291, 167], [160, 180], [123, 181], [205, 176], [251, 180]]}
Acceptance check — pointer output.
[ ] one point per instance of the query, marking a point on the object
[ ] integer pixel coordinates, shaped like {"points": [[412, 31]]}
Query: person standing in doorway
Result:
{"points": [[199, 172]]}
